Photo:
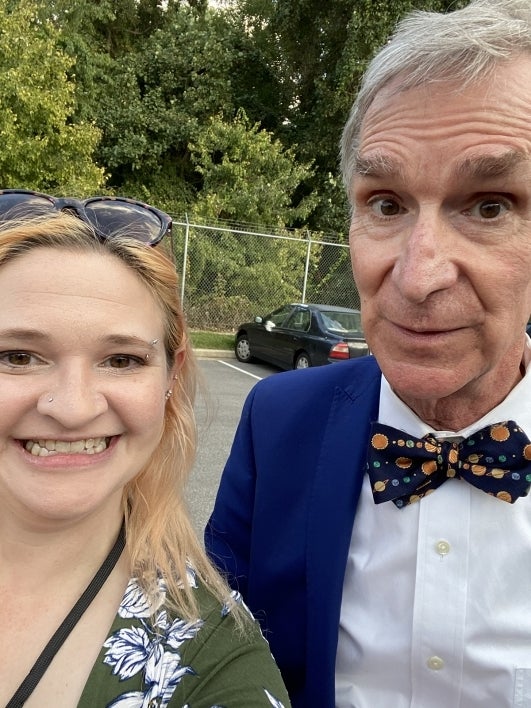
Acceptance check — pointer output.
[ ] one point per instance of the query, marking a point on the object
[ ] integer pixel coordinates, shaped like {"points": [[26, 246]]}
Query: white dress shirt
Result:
{"points": [[436, 609]]}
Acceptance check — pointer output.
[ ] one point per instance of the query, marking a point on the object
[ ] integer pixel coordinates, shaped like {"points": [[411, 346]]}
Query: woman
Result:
{"points": [[97, 437]]}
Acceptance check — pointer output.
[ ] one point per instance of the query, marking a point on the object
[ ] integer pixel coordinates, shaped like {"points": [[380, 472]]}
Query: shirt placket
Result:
{"points": [[440, 601]]}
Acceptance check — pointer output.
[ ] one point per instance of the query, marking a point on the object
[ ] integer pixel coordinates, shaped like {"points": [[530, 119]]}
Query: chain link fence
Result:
{"points": [[231, 274]]}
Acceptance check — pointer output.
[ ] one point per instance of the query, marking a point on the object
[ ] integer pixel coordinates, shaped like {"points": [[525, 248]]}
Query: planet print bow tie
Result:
{"points": [[496, 459]]}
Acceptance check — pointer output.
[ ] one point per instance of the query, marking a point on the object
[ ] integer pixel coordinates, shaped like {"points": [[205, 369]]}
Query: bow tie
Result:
{"points": [[496, 459]]}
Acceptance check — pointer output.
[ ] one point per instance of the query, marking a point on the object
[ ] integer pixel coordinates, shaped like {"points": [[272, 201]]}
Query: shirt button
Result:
{"points": [[442, 548], [435, 663]]}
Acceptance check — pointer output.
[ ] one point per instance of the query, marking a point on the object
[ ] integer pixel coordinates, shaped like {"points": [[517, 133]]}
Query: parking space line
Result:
{"points": [[237, 368]]}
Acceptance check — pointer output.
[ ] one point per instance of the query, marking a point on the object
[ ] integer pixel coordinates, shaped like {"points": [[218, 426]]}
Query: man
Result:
{"points": [[420, 599]]}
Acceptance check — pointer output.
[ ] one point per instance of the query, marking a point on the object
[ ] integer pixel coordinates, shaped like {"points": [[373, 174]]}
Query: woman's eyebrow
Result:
{"points": [[127, 340], [35, 335], [27, 333]]}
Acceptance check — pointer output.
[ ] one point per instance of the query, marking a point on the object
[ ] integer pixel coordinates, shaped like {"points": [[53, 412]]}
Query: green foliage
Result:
{"points": [[335, 286], [233, 276], [164, 83], [318, 52], [247, 175], [229, 113], [41, 147], [183, 104], [153, 101]]}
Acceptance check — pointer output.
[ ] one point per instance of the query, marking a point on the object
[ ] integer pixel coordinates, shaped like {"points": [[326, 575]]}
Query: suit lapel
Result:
{"points": [[337, 485]]}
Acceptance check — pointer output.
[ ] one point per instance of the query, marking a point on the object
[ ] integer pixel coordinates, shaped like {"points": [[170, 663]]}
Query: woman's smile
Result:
{"points": [[46, 448]]}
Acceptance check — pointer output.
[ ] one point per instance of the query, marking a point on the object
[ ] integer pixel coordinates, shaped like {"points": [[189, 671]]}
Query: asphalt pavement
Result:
{"points": [[225, 384]]}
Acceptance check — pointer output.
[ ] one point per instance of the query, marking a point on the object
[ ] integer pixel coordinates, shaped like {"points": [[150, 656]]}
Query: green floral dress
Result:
{"points": [[152, 660]]}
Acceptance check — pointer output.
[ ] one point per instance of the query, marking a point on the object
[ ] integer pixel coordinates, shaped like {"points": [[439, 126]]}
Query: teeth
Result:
{"points": [[43, 448]]}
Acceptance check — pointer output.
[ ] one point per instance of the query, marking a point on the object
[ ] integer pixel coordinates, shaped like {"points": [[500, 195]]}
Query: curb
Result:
{"points": [[214, 353]]}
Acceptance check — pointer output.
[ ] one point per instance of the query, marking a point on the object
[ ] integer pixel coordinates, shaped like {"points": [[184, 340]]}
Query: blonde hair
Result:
{"points": [[160, 535]]}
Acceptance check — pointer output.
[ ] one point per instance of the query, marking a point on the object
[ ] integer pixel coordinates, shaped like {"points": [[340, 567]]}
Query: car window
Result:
{"points": [[342, 322], [299, 320], [277, 317]]}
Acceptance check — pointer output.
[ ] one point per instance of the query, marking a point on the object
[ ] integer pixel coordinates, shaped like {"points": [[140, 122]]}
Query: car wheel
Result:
{"points": [[302, 361], [243, 349]]}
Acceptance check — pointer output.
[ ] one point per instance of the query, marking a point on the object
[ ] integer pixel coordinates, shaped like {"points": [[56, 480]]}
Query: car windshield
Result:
{"points": [[342, 322]]}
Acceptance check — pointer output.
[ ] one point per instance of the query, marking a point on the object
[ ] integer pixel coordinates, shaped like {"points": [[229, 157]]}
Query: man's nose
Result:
{"points": [[427, 259], [73, 398]]}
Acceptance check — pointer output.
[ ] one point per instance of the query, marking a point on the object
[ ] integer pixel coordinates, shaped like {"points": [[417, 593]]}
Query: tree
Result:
{"points": [[247, 175], [151, 101], [316, 53], [41, 147], [168, 88]]}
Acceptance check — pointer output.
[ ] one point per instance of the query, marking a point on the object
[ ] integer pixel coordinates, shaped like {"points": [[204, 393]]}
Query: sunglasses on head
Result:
{"points": [[108, 216]]}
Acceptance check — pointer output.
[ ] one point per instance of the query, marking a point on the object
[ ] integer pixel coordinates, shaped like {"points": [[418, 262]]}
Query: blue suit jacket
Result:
{"points": [[282, 521]]}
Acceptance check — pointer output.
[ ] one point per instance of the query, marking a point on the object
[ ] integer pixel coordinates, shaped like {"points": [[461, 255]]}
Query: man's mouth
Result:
{"points": [[45, 448], [426, 332]]}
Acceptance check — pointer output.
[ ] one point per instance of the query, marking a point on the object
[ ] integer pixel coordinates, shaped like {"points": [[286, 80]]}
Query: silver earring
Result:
{"points": [[168, 394]]}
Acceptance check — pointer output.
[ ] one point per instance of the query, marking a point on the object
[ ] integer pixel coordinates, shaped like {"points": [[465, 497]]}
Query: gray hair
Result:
{"points": [[462, 46]]}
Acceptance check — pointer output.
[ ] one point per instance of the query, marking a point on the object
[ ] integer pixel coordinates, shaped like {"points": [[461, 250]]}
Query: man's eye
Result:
{"points": [[490, 209], [385, 206]]}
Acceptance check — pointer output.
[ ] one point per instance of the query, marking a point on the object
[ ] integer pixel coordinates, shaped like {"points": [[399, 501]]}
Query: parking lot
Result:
{"points": [[226, 384]]}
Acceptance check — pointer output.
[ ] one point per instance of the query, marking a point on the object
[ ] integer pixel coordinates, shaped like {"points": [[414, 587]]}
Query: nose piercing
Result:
{"points": [[50, 399]]}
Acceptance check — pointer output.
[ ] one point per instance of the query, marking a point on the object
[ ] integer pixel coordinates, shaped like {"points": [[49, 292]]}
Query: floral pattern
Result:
{"points": [[151, 647]]}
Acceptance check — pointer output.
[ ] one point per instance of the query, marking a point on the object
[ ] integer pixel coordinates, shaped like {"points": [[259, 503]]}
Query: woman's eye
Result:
{"points": [[490, 208], [385, 206], [123, 361], [17, 358]]}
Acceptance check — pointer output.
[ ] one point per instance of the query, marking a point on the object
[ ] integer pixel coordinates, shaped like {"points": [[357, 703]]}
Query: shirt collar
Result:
{"points": [[516, 406]]}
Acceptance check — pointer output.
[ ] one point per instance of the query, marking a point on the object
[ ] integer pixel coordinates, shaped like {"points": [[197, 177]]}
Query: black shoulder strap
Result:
{"points": [[36, 672]]}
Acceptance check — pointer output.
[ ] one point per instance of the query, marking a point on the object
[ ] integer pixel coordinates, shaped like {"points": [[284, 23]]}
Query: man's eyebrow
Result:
{"points": [[377, 165], [480, 167], [488, 166]]}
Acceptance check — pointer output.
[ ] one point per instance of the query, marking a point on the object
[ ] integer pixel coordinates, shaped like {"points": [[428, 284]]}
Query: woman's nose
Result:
{"points": [[73, 399]]}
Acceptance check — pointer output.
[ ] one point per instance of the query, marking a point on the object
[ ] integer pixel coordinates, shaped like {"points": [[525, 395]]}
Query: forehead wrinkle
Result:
{"points": [[489, 166]]}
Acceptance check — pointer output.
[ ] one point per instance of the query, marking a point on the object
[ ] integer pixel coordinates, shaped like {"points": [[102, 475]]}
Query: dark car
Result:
{"points": [[300, 335]]}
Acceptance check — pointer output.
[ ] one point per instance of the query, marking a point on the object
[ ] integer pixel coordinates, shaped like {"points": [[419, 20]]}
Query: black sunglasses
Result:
{"points": [[108, 216]]}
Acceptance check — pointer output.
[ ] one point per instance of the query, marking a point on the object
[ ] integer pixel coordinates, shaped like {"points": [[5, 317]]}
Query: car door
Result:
{"points": [[292, 335], [265, 336]]}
